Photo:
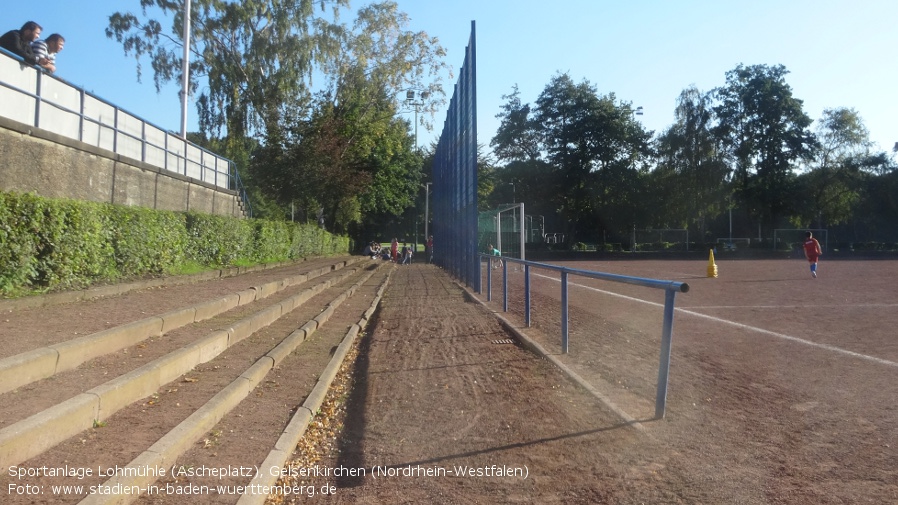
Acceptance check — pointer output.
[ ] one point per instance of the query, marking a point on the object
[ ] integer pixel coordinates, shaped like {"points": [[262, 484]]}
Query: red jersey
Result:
{"points": [[812, 248]]}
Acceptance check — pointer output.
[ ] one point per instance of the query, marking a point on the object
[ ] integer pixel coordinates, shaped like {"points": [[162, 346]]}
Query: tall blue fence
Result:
{"points": [[455, 177]]}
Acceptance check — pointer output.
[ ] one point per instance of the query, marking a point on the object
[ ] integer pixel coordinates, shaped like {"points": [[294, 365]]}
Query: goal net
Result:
{"points": [[503, 227], [791, 239], [661, 239]]}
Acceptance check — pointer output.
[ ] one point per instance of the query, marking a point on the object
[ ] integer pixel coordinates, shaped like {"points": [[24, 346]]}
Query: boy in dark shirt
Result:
{"points": [[19, 41]]}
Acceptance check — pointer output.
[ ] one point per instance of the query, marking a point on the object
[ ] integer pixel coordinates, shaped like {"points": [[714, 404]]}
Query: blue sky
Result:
{"points": [[839, 53]]}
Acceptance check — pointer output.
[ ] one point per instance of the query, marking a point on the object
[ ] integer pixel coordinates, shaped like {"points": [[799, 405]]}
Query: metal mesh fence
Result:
{"points": [[455, 177], [502, 227]]}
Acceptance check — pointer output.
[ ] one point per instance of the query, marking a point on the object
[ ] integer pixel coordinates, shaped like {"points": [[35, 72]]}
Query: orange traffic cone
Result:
{"points": [[712, 267]]}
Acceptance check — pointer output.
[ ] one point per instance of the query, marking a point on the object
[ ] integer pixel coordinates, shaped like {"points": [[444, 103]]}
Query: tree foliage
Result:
{"points": [[766, 133], [251, 60], [517, 138], [591, 145], [691, 171], [335, 147]]}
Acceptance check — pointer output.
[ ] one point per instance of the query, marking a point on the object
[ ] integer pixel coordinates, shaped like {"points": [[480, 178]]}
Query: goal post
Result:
{"points": [[504, 228], [676, 239], [791, 238]]}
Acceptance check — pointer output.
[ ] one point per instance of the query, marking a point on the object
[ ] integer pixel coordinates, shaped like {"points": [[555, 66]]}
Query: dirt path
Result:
{"points": [[443, 410]]}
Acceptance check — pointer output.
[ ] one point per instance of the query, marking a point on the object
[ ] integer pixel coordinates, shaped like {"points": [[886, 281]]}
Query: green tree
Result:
{"points": [[766, 133], [690, 179], [833, 183], [595, 145], [517, 138], [255, 57], [337, 152]]}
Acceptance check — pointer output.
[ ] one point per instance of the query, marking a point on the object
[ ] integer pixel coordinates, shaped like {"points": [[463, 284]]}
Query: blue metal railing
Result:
{"points": [[671, 288], [30, 96]]}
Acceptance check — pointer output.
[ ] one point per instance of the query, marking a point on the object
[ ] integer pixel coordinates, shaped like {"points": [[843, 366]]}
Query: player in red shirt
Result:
{"points": [[812, 251]]}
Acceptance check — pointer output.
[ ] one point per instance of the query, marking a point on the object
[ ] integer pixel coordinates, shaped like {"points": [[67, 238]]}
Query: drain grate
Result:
{"points": [[504, 341]]}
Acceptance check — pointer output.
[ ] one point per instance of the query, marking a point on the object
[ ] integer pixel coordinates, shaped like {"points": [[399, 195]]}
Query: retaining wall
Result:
{"points": [[53, 166]]}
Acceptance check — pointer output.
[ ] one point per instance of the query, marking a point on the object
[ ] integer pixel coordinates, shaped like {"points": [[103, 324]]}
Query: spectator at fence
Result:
{"points": [[394, 250], [495, 252], [46, 50], [19, 41], [429, 248]]}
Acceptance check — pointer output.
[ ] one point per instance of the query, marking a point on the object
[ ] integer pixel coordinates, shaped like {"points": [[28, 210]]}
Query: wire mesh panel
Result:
{"points": [[455, 177], [502, 228]]}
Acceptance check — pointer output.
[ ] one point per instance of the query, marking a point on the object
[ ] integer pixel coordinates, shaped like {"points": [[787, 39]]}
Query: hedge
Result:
{"points": [[53, 244]]}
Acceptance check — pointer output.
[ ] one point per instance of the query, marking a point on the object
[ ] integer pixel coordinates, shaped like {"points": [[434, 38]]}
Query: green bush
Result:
{"points": [[270, 243], [18, 240], [75, 247], [218, 240], [58, 244], [147, 241]]}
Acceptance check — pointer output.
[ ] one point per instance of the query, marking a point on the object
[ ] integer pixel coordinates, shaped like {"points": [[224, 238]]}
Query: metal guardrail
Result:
{"points": [[671, 288], [30, 96]]}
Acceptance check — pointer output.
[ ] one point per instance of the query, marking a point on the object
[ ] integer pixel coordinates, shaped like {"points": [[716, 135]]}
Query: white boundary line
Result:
{"points": [[790, 338], [815, 306]]}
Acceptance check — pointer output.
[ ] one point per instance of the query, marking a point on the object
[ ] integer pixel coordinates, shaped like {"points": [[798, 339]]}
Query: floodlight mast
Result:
{"points": [[416, 98]]}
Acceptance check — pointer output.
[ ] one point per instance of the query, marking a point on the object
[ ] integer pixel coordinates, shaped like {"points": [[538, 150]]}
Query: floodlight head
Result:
{"points": [[639, 110]]}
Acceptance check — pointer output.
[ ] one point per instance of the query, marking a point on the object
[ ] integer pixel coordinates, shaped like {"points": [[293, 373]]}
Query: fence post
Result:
{"points": [[81, 117], [527, 295], [564, 313], [664, 361], [479, 274], [489, 280], [504, 286], [37, 101]]}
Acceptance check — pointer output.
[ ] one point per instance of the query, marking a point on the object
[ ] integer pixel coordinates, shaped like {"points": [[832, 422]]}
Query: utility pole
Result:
{"points": [[185, 70]]}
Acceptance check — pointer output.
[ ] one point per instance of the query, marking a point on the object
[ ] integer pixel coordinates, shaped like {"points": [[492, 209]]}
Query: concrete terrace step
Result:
{"points": [[172, 448], [43, 362], [53, 299], [30, 436], [125, 390]]}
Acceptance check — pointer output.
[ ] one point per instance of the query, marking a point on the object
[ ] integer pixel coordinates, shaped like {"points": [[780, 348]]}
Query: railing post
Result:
{"points": [[115, 130], [479, 274], [564, 313], [489, 280], [504, 286], [81, 117], [37, 101], [664, 362], [527, 295]]}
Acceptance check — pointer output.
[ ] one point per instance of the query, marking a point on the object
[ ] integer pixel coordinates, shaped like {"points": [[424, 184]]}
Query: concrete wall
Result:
{"points": [[50, 165]]}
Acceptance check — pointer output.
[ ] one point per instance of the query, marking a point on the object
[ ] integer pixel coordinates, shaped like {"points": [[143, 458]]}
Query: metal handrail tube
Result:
{"points": [[118, 133], [671, 288]]}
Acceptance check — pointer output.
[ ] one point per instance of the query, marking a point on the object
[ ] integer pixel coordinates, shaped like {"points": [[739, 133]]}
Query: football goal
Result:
{"points": [[661, 239], [504, 228], [789, 239]]}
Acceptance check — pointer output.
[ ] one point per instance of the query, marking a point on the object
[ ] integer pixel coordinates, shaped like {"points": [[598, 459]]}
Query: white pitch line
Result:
{"points": [[790, 338], [814, 306]]}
